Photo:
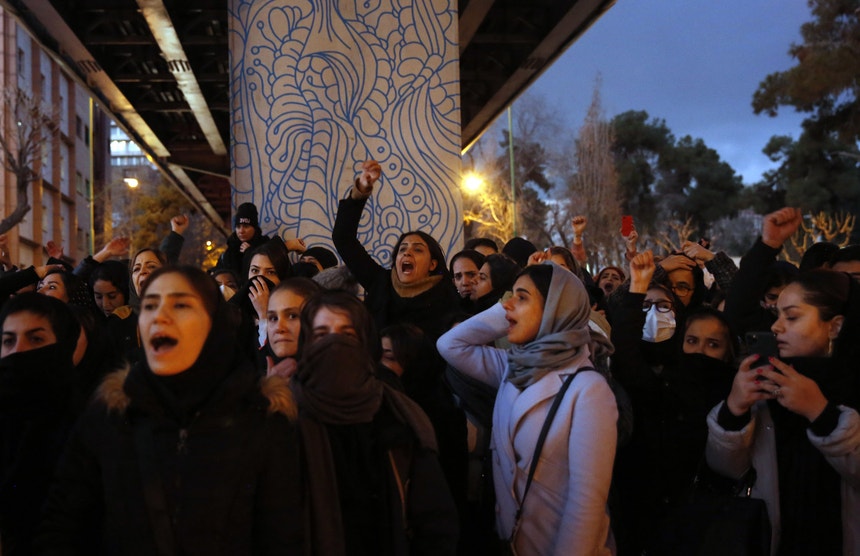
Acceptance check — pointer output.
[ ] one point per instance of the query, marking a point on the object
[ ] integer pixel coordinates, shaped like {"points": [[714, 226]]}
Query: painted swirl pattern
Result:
{"points": [[318, 86]]}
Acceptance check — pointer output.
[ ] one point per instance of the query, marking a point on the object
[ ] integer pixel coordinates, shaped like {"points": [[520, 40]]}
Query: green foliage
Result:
{"points": [[662, 179], [153, 214], [824, 82], [815, 173], [638, 147], [697, 184], [820, 171], [151, 223]]}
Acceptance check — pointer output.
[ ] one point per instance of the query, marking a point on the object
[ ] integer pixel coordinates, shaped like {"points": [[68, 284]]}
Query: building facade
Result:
{"points": [[69, 171]]}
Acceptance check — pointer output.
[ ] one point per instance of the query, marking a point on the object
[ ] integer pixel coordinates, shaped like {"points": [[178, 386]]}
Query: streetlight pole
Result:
{"points": [[513, 172]]}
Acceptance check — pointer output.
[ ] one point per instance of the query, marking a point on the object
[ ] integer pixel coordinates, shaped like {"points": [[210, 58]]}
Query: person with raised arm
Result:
{"points": [[417, 288], [551, 498]]}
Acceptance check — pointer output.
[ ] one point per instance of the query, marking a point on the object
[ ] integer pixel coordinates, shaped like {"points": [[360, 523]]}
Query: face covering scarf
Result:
{"points": [[658, 327]]}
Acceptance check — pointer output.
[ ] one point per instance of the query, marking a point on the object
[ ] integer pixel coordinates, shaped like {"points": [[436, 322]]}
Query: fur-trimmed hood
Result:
{"points": [[275, 389]]}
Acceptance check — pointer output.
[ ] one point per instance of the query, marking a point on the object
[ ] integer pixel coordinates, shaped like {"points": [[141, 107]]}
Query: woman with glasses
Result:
{"points": [[684, 278], [675, 366]]}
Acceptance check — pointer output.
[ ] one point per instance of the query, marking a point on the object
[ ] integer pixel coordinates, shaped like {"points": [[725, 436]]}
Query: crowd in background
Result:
{"points": [[497, 401]]}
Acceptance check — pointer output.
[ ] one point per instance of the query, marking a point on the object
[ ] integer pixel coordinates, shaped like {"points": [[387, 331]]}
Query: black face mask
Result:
{"points": [[37, 380], [702, 379]]}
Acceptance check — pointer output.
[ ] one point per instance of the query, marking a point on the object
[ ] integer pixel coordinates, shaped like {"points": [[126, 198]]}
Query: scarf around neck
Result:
{"points": [[415, 289], [335, 385]]}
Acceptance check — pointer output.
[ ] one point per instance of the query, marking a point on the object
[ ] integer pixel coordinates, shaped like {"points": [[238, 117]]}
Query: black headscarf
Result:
{"points": [[184, 393], [335, 385]]}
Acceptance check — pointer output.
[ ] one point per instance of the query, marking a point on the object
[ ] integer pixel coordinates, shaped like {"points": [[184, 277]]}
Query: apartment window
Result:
{"points": [[64, 103], [47, 216], [65, 169]]}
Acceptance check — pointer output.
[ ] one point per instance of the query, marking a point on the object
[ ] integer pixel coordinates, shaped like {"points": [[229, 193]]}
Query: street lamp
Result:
{"points": [[129, 179], [473, 183]]}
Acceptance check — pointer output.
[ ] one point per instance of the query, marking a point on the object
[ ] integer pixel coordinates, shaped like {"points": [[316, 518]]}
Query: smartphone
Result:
{"points": [[626, 225], [763, 343]]}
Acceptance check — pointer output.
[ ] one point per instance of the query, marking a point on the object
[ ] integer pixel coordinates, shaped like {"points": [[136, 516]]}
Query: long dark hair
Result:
{"points": [[300, 285], [833, 294], [276, 252], [115, 273], [436, 252]]}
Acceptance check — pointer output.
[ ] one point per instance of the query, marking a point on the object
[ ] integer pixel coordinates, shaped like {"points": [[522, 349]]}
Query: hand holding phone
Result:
{"points": [[762, 343]]}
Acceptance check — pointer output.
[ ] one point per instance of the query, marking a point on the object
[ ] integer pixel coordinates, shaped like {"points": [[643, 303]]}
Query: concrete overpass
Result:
{"points": [[162, 68]]}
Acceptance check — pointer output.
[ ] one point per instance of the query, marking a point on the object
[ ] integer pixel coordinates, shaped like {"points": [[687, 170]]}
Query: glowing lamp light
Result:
{"points": [[131, 182], [473, 183]]}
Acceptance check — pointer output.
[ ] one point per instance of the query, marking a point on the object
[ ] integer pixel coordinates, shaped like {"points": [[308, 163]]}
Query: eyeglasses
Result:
{"points": [[662, 306], [682, 289]]}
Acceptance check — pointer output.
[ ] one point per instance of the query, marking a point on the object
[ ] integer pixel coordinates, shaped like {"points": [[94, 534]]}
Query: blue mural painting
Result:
{"points": [[318, 86]]}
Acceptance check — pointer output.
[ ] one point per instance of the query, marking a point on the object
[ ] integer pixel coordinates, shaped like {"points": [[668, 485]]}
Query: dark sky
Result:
{"points": [[693, 63]]}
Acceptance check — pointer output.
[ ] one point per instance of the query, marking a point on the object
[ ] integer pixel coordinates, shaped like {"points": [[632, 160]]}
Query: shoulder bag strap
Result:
{"points": [[542, 437]]}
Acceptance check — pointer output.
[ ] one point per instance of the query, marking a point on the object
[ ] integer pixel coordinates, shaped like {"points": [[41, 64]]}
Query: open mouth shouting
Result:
{"points": [[162, 343], [412, 260]]}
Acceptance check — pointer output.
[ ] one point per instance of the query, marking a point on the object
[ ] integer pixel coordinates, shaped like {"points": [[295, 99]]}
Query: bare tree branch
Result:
{"points": [[24, 135]]}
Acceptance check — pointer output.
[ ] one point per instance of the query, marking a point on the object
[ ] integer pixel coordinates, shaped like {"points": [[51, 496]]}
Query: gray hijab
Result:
{"points": [[563, 338]]}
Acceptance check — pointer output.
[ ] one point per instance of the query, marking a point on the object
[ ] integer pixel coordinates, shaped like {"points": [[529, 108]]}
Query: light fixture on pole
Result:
{"points": [[473, 183], [129, 179]]}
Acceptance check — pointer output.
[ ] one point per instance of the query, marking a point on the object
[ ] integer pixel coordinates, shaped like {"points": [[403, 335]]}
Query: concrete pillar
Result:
{"points": [[318, 86]]}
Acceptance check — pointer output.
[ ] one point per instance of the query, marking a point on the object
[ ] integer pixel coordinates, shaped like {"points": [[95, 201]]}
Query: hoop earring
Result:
{"points": [[829, 347]]}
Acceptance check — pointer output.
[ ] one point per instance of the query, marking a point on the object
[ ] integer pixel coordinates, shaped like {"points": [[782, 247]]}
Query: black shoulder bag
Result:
{"points": [[719, 518]]}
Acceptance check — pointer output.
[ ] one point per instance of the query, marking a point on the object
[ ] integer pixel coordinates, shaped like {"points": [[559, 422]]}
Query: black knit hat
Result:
{"points": [[325, 257], [246, 213], [519, 250]]}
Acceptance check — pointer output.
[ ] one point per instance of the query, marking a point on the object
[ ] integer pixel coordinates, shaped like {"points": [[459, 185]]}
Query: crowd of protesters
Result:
{"points": [[492, 402]]}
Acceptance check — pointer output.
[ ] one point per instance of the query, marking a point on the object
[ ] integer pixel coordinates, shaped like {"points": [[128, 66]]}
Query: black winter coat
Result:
{"points": [[230, 479], [37, 412], [743, 308], [234, 259], [671, 394]]}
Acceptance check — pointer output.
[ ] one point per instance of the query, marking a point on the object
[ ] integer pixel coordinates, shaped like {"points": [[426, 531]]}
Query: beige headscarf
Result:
{"points": [[564, 336]]}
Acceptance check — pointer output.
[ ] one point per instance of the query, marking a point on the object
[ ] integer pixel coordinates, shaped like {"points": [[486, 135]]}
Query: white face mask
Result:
{"points": [[658, 327]]}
